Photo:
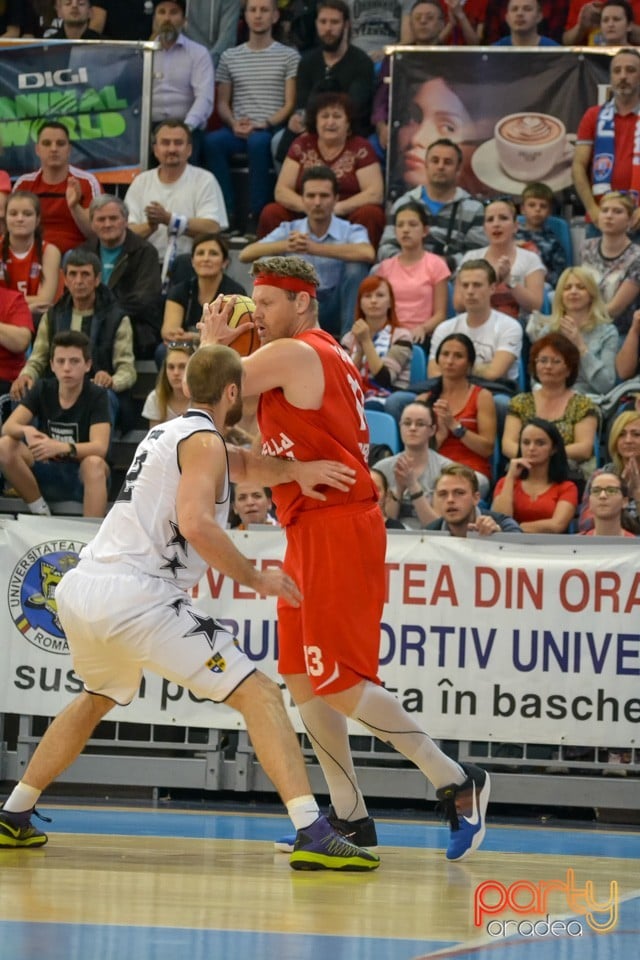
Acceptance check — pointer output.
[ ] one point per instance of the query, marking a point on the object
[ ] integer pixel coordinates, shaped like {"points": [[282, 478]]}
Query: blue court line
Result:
{"points": [[61, 941], [237, 826]]}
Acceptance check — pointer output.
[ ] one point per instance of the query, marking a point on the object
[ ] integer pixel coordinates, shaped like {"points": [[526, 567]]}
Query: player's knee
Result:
{"points": [[256, 689]]}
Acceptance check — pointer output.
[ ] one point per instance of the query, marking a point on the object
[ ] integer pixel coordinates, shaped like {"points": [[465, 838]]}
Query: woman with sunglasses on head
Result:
{"points": [[465, 413], [27, 263], [536, 490], [554, 363], [614, 258], [520, 272]]}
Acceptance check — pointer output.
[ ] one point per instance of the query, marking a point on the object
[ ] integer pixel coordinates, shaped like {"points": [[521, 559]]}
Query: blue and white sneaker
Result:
{"points": [[465, 807]]}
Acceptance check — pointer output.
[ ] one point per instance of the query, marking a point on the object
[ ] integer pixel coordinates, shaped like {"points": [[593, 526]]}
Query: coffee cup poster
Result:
{"points": [[514, 113]]}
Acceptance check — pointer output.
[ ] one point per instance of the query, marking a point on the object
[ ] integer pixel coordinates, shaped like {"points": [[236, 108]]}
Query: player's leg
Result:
{"points": [[210, 664], [342, 650], [326, 728], [63, 741], [464, 788]]}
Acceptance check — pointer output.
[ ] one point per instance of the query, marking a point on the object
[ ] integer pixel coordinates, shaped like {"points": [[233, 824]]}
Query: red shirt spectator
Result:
{"points": [[64, 191], [16, 330]]}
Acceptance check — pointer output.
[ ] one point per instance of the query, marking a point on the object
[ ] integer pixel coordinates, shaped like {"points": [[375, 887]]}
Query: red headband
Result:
{"points": [[295, 284]]}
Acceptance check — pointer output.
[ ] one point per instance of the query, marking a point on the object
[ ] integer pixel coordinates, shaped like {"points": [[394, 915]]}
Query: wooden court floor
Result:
{"points": [[164, 885]]}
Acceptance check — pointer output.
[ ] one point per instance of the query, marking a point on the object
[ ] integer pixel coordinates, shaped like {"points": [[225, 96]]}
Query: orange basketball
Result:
{"points": [[248, 342]]}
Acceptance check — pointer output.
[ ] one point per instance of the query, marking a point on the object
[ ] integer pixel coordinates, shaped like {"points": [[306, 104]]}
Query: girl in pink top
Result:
{"points": [[419, 279]]}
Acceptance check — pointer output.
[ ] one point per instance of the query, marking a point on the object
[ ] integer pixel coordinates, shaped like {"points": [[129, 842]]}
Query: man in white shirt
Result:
{"points": [[497, 337], [174, 202]]}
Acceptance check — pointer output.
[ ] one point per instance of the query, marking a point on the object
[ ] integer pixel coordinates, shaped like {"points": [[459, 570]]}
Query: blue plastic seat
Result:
{"points": [[418, 369], [383, 429]]}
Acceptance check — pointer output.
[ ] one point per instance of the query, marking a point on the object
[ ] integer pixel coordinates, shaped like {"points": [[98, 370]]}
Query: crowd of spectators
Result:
{"points": [[524, 349]]}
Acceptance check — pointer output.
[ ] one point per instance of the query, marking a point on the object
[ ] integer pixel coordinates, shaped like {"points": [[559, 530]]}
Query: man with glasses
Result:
{"points": [[608, 499]]}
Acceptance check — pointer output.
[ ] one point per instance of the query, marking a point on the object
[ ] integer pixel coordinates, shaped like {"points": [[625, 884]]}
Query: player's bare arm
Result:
{"points": [[246, 466], [203, 465]]}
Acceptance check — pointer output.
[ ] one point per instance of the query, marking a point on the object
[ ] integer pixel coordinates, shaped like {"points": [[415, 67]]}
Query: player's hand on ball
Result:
{"points": [[277, 583], [215, 326], [327, 473]]}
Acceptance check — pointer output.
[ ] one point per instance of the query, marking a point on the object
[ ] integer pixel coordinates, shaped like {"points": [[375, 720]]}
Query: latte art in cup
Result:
{"points": [[531, 145], [531, 128]]}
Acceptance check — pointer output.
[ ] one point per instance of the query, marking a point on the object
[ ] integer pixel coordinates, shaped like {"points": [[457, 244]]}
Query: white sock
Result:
{"points": [[303, 811], [327, 730], [383, 714], [21, 798], [39, 507]]}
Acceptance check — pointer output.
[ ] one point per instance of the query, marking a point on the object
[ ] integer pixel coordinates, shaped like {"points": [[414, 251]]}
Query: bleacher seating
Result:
{"points": [[383, 429]]}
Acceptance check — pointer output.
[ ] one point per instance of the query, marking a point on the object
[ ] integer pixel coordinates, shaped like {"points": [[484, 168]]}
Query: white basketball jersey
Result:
{"points": [[141, 528]]}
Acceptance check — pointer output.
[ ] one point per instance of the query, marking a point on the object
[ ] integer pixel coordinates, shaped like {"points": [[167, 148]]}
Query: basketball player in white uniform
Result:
{"points": [[124, 607]]}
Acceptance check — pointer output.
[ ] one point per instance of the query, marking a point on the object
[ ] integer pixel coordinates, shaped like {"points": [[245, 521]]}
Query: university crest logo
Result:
{"points": [[32, 592]]}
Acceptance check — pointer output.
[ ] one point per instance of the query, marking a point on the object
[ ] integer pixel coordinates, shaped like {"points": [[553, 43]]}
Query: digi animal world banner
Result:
{"points": [[505, 640], [96, 89]]}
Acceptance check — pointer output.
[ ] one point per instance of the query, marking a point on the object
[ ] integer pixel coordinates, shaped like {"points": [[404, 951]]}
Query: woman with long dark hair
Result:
{"points": [[536, 490], [465, 413]]}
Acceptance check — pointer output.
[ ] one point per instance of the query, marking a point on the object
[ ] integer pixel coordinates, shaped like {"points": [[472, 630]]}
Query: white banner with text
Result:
{"points": [[481, 639]]}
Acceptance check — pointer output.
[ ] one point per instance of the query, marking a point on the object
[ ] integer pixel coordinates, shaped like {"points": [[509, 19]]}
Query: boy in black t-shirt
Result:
{"points": [[54, 444]]}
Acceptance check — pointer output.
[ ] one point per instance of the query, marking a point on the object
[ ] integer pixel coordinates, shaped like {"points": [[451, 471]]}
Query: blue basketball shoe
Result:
{"points": [[465, 807]]}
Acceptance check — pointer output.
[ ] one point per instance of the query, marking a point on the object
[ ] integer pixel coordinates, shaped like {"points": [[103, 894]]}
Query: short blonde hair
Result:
{"points": [[619, 424], [598, 310], [210, 370]]}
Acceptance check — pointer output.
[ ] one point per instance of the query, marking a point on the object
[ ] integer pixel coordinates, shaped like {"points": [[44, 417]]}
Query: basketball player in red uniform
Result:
{"points": [[312, 406]]}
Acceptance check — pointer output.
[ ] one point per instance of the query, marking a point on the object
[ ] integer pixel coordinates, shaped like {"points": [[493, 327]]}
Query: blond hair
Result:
{"points": [[598, 309], [619, 424], [286, 267]]}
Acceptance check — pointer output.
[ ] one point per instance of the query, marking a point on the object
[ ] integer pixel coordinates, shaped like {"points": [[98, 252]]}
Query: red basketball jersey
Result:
{"points": [[22, 273], [337, 431]]}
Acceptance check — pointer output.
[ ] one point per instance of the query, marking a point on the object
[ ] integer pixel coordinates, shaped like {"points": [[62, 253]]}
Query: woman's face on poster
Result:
{"points": [[436, 111]]}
